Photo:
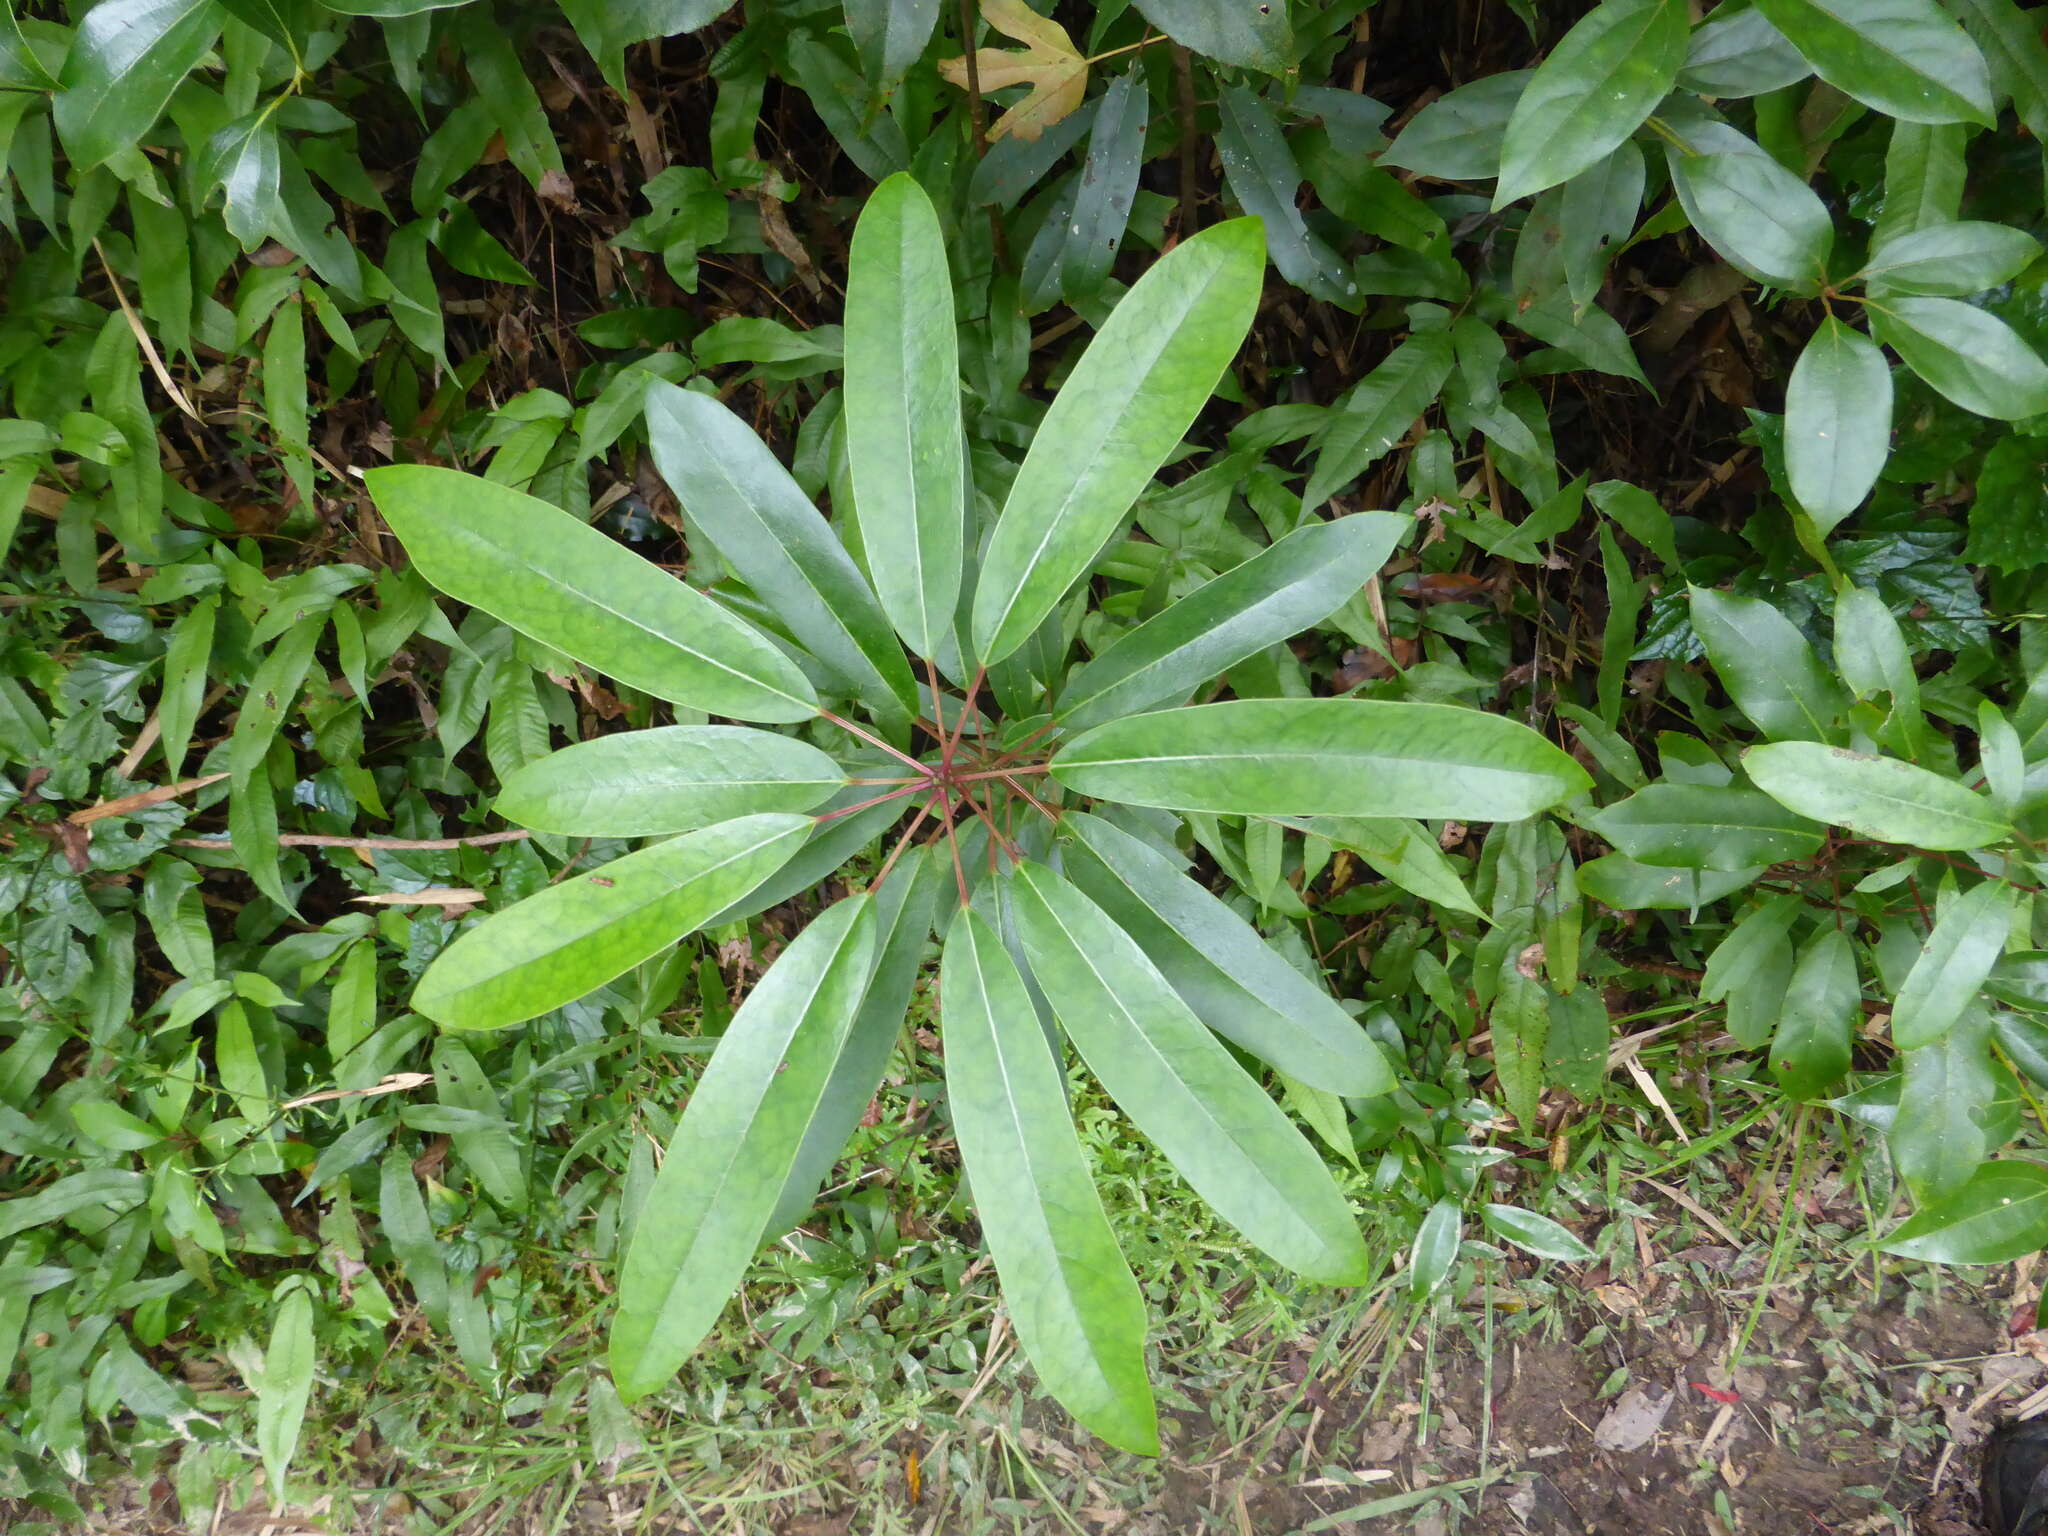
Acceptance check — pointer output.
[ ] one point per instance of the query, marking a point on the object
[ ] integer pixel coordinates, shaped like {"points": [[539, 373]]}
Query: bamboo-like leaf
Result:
{"points": [[1077, 1311], [574, 937], [567, 585], [672, 778], [734, 1147], [1180, 1086], [1877, 796]]}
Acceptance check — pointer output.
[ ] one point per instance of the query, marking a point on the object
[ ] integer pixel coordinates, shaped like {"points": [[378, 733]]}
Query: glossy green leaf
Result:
{"points": [[1377, 412], [673, 778], [1767, 667], [1938, 1139], [890, 36], [285, 1387], [1740, 54], [1923, 178], [1180, 1085], [569, 586], [1903, 57], [1539, 1235], [2011, 42], [1999, 1215], [1077, 1311], [1120, 412], [1260, 170], [1254, 36], [1816, 1029], [1838, 422], [1107, 188], [1435, 1249], [902, 405], [833, 840], [734, 1147], [741, 498], [1323, 757], [1954, 259], [1458, 136], [126, 59], [1234, 981], [1601, 80], [1761, 218], [1965, 944], [1702, 826], [1879, 797], [571, 938], [2024, 1040], [1974, 358], [1281, 591]]}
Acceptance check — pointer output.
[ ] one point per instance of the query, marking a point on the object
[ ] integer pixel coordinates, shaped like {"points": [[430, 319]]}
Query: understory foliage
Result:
{"points": [[593, 591]]}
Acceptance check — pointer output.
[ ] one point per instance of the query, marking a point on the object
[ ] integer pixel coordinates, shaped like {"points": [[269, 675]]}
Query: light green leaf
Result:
{"points": [[487, 1150], [1761, 218], [1458, 136], [1077, 1311], [1120, 413], [1938, 1139], [1521, 1029], [1923, 178], [95, 1189], [1838, 422], [1965, 944], [1740, 54], [1817, 1028], [1965, 257], [1377, 412], [1181, 1087], [285, 1388], [1750, 968], [1903, 57], [1323, 757], [571, 938], [1596, 88], [1401, 851], [1293, 586], [125, 60], [902, 403], [740, 497], [672, 778], [734, 1147], [2017, 56], [1436, 1248], [567, 585], [1879, 797], [1999, 1215], [1539, 1235], [1223, 970], [1229, 31], [1767, 667], [1703, 826], [1974, 358]]}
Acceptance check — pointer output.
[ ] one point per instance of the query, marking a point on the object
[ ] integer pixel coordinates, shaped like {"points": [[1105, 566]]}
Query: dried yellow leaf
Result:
{"points": [[1048, 62]]}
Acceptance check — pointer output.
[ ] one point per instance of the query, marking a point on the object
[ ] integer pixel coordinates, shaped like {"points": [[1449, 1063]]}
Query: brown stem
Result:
{"points": [[966, 709], [1184, 100], [875, 741], [1035, 803], [901, 844], [894, 794], [1002, 773], [953, 842]]}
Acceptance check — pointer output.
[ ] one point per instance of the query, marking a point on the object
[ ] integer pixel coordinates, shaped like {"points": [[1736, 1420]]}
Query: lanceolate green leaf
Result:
{"points": [[1965, 944], [1705, 826], [1323, 757], [1594, 90], [1540, 1235], [1217, 962], [1810, 1051], [1999, 1215], [2016, 54], [286, 1386], [1838, 422], [1399, 850], [567, 585], [1259, 167], [744, 501], [1107, 188], [1298, 582], [1967, 256], [1181, 1087], [1974, 358], [126, 59], [1458, 136], [1119, 414], [1877, 796], [1253, 36], [1077, 1311], [1903, 57], [1767, 667], [1923, 178], [1740, 54], [1377, 412], [673, 778], [833, 840], [571, 938], [1940, 1137], [902, 394], [734, 1147], [1764, 220]]}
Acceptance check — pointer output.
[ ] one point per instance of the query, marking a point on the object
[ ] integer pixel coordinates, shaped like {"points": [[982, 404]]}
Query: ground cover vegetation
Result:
{"points": [[794, 749]]}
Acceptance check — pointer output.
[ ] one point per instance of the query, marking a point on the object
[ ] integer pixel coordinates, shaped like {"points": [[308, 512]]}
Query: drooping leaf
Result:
{"points": [[1233, 980], [1048, 62], [1298, 582], [1260, 170], [1974, 358], [1703, 826], [1107, 187], [902, 404], [1879, 797], [571, 938], [737, 492], [1180, 1086], [672, 778], [1767, 667], [1250, 36], [126, 59], [569, 586], [1954, 259], [1838, 422], [1120, 412], [1600, 82], [1077, 1311], [1959, 953], [1323, 757], [1903, 57], [1999, 1215], [1378, 411], [1761, 218], [734, 1146], [1939, 1138], [1816, 1029]]}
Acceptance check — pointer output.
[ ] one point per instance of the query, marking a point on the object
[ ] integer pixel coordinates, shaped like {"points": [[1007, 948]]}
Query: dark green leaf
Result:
{"points": [[1108, 184], [1251, 36], [1458, 136], [1377, 412], [1838, 422], [1767, 667], [1903, 57], [125, 60], [1810, 1051], [1938, 1139], [1260, 170], [1740, 54], [890, 36], [1760, 217], [1974, 358], [2017, 56], [2000, 1215], [1966, 942]]}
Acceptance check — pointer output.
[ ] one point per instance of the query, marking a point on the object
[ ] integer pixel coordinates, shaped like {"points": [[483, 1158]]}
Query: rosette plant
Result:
{"points": [[912, 707]]}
